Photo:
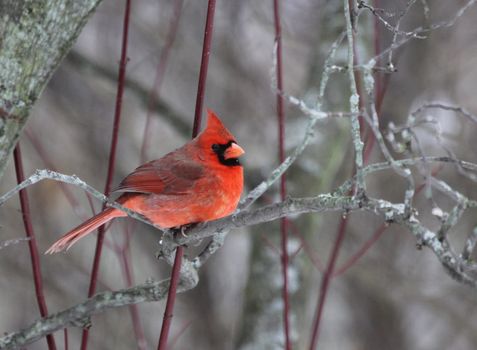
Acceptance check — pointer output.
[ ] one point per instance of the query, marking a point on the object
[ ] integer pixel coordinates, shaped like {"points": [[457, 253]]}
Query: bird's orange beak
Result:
{"points": [[234, 151]]}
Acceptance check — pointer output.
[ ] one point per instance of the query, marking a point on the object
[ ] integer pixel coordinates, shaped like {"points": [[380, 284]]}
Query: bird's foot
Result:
{"points": [[182, 230]]}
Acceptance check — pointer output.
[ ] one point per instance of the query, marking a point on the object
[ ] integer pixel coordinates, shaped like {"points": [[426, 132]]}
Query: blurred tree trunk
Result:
{"points": [[34, 37]]}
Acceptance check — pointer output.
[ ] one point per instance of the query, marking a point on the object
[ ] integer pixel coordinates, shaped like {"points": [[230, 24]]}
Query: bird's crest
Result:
{"points": [[216, 128]]}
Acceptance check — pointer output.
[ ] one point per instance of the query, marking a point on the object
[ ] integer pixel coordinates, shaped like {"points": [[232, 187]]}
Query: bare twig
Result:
{"points": [[354, 106], [374, 124], [409, 4], [439, 105], [394, 29], [421, 30]]}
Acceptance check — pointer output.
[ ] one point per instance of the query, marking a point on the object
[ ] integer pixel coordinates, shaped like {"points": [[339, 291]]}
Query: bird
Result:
{"points": [[198, 182]]}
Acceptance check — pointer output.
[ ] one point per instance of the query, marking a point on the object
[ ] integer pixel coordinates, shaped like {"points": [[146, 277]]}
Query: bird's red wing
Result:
{"points": [[163, 176]]}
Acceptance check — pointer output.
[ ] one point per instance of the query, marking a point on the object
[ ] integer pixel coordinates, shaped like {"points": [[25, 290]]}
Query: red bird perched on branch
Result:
{"points": [[200, 181]]}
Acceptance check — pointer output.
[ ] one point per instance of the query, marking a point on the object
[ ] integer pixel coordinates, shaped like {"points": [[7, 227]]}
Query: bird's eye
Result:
{"points": [[215, 147]]}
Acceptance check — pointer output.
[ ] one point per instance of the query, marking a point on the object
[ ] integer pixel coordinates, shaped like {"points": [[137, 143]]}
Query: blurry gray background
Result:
{"points": [[395, 297]]}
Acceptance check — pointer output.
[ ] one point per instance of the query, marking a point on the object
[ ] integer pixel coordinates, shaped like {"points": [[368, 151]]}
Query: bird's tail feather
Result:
{"points": [[70, 238]]}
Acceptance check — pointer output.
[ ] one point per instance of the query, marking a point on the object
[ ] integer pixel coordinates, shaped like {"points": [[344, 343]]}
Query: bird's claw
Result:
{"points": [[183, 228]]}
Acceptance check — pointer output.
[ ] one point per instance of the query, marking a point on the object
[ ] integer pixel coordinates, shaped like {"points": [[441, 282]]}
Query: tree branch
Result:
{"points": [[458, 267], [79, 315], [354, 106]]}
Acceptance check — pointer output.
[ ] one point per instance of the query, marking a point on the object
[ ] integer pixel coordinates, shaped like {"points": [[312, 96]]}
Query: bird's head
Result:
{"points": [[219, 142]]}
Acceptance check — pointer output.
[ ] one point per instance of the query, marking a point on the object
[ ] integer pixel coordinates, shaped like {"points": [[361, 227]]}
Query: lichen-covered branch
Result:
{"points": [[354, 105], [79, 315], [35, 36], [460, 269]]}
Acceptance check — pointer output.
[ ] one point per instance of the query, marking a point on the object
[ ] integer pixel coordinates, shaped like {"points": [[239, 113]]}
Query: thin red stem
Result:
{"points": [[123, 252], [325, 282], [160, 71], [112, 157], [283, 189], [65, 334], [175, 275], [34, 256], [171, 297], [204, 65], [128, 274]]}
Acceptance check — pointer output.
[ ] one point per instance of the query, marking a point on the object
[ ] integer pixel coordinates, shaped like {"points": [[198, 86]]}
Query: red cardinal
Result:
{"points": [[201, 181]]}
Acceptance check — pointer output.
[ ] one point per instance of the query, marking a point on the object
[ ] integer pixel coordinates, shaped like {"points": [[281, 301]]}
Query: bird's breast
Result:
{"points": [[211, 197]]}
